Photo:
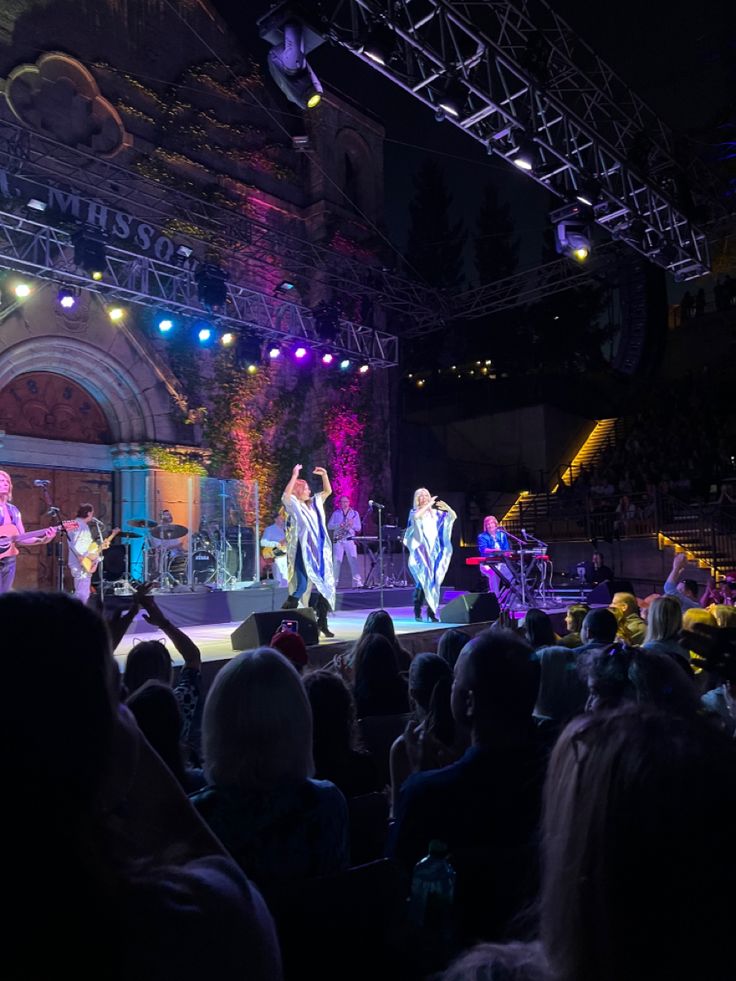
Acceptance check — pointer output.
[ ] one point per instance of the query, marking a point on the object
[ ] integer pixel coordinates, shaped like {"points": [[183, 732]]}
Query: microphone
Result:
{"points": [[41, 483], [375, 504]]}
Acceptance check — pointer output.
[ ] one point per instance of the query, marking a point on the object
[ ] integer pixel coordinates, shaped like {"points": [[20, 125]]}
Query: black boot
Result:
{"points": [[290, 603], [322, 608], [431, 618], [418, 612]]}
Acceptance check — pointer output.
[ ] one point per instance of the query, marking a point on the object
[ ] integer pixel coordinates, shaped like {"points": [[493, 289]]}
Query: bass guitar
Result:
{"points": [[11, 538]]}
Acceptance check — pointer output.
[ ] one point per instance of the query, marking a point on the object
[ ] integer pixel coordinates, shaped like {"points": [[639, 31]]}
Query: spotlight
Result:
{"points": [[300, 353], [526, 155], [289, 68], [572, 231], [115, 314], [66, 297], [364, 369], [379, 44], [165, 325], [211, 283], [22, 290], [89, 254], [453, 98], [184, 252], [327, 358], [227, 339], [204, 334], [252, 369], [589, 193], [35, 204], [344, 364], [285, 286], [274, 352]]}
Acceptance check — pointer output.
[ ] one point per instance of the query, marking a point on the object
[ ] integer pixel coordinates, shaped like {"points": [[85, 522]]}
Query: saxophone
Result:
{"points": [[344, 530]]}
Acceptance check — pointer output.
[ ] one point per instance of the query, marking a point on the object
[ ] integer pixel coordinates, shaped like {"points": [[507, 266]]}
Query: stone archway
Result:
{"points": [[47, 405]]}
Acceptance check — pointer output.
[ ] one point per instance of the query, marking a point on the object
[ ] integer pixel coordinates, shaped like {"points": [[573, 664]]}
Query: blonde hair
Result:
{"points": [[257, 724], [417, 492], [725, 616], [664, 621], [4, 473], [697, 615], [489, 517]]}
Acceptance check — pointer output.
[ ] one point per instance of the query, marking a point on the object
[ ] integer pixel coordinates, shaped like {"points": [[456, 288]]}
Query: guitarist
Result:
{"points": [[273, 545], [84, 552], [10, 516]]}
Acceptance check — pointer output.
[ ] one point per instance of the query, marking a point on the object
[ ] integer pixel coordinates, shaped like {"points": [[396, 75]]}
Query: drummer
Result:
{"points": [[173, 544]]}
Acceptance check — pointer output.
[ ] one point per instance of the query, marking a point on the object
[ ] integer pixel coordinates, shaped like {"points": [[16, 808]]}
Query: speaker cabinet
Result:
{"points": [[471, 608], [603, 593], [258, 629]]}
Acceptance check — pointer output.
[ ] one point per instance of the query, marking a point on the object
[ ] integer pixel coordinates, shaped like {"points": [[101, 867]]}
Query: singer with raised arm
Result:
{"points": [[309, 548], [428, 538], [12, 532], [492, 539], [345, 524], [85, 553]]}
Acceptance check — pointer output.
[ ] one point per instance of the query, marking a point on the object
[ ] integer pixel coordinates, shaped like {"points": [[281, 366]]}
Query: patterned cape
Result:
{"points": [[429, 540], [308, 528]]}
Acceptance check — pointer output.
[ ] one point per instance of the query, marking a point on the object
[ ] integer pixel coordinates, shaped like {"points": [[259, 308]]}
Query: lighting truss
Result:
{"points": [[41, 162], [45, 252], [529, 78]]}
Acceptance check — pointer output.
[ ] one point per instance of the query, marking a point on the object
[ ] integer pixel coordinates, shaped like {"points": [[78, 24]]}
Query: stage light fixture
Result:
{"points": [[35, 204], [379, 44], [285, 286], [115, 314], [364, 369], [165, 325], [22, 290], [300, 353], [66, 297], [227, 339], [526, 155], [572, 231], [589, 193], [453, 98], [289, 68], [252, 369], [204, 334], [327, 358], [274, 352], [184, 252], [211, 282], [344, 364], [89, 253]]}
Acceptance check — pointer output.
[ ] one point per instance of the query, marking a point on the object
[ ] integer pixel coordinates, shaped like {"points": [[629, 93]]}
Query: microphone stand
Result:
{"points": [[58, 520], [380, 552]]}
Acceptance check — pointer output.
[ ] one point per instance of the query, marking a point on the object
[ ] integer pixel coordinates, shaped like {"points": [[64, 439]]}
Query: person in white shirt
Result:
{"points": [[274, 539], [345, 525], [80, 543]]}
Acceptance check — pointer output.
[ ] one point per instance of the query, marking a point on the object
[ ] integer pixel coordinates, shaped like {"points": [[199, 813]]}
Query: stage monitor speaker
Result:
{"points": [[603, 593], [471, 608], [258, 629]]}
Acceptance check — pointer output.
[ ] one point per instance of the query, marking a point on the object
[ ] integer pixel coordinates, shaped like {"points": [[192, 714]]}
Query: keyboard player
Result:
{"points": [[493, 539]]}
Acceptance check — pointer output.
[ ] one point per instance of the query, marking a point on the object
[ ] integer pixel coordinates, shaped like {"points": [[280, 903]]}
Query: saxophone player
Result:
{"points": [[344, 525]]}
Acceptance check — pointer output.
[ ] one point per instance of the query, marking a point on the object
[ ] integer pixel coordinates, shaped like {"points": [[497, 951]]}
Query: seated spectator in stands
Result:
{"points": [[262, 802], [631, 627], [597, 571], [620, 674], [664, 623], [684, 590], [156, 711], [292, 646], [111, 872], [485, 807], [538, 629], [429, 740], [378, 688], [625, 514], [450, 644], [599, 628], [335, 755], [574, 617], [619, 874], [718, 593], [151, 661]]}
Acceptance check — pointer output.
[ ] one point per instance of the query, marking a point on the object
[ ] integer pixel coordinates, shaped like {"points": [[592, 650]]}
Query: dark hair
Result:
{"points": [[504, 676], [84, 509], [622, 790], [147, 661], [538, 628], [600, 625], [430, 682], [157, 713], [577, 613], [378, 688], [333, 715], [619, 674], [450, 644], [691, 586], [381, 622]]}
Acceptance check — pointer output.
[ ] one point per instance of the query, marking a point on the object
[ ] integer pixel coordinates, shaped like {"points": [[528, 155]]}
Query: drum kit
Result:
{"points": [[165, 559]]}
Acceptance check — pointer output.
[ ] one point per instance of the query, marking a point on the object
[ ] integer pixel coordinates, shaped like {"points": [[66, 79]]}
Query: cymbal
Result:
{"points": [[166, 532], [140, 523], [129, 534]]}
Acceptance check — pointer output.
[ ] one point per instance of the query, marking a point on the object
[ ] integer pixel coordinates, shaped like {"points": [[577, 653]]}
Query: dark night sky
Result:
{"points": [[682, 62]]}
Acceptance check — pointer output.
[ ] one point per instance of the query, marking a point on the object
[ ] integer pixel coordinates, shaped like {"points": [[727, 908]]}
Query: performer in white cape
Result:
{"points": [[309, 546], [428, 537]]}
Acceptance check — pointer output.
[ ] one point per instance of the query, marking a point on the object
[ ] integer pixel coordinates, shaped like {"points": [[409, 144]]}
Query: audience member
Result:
{"points": [[379, 689], [110, 870], [538, 629], [599, 628], [450, 644], [574, 617], [684, 590], [621, 674], [485, 807], [262, 802], [292, 646], [381, 622], [664, 623], [621, 878], [631, 627], [336, 757]]}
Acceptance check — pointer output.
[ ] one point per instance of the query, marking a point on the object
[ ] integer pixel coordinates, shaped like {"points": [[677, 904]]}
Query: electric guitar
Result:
{"points": [[92, 557], [11, 538], [269, 552]]}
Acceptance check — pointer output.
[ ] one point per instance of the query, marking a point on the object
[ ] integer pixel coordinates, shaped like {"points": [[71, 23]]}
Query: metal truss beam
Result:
{"points": [[40, 162], [47, 253], [524, 76]]}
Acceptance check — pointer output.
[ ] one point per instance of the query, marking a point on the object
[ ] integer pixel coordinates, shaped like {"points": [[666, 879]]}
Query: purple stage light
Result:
{"points": [[300, 353], [327, 358]]}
